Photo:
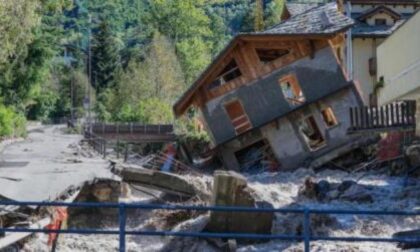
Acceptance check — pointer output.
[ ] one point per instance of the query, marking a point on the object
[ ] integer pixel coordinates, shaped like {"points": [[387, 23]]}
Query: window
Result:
{"points": [[268, 55], [311, 133], [380, 21], [230, 72], [329, 117], [238, 116], [258, 157], [291, 90], [372, 66]]}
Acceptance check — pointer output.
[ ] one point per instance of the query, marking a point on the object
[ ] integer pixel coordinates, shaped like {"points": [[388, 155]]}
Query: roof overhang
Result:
{"points": [[185, 101], [379, 9], [386, 2]]}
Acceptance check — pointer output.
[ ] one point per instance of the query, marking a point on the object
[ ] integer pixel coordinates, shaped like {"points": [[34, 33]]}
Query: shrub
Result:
{"points": [[11, 122]]}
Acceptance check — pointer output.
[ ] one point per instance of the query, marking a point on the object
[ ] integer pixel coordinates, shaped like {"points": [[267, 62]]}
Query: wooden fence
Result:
{"points": [[394, 116]]}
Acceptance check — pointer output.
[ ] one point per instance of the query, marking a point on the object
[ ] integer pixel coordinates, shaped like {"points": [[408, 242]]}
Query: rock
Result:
{"points": [[188, 243], [321, 224], [412, 155], [322, 188], [346, 184], [309, 189], [357, 193], [410, 234], [331, 195], [230, 189]]}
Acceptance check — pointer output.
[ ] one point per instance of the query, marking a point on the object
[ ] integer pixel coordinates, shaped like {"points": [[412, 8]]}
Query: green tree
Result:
{"points": [[105, 57], [274, 12], [258, 16]]}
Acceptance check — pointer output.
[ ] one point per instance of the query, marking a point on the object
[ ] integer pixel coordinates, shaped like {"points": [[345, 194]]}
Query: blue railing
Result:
{"points": [[306, 237]]}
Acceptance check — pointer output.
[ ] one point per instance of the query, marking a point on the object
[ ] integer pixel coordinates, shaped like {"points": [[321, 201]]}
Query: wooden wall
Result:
{"points": [[253, 69]]}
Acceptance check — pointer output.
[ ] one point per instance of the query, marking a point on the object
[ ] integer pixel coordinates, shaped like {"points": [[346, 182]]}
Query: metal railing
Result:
{"points": [[306, 236], [132, 128]]}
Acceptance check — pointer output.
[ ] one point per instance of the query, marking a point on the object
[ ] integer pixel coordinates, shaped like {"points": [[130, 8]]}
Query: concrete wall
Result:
{"points": [[363, 50], [263, 99], [399, 63], [286, 140]]}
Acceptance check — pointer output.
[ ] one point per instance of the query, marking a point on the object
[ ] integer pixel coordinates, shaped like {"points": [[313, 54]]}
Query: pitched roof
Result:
{"points": [[365, 30], [298, 8], [323, 21], [416, 2], [379, 9]]}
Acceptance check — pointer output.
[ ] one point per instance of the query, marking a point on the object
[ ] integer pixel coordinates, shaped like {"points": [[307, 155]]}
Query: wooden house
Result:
{"points": [[279, 99]]}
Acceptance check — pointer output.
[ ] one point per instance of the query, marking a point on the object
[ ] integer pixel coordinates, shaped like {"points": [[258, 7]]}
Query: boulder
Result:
{"points": [[412, 155], [322, 189], [230, 189], [332, 195], [357, 193], [346, 184], [410, 234], [309, 189]]}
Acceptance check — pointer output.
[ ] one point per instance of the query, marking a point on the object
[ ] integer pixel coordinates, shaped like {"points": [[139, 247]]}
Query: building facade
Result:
{"points": [[399, 66], [279, 99], [375, 20]]}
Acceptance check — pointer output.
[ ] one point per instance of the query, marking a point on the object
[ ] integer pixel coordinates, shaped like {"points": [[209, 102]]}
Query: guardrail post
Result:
{"points": [[122, 219], [126, 153], [104, 141], [306, 230]]}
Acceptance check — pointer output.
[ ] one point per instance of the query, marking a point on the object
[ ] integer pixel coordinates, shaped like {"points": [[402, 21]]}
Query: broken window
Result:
{"points": [[230, 72], [329, 117], [257, 157], [267, 55], [311, 133], [291, 90], [380, 21], [238, 117]]}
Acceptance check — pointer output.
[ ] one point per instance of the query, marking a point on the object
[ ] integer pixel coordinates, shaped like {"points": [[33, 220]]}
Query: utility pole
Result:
{"points": [[72, 94], [89, 76]]}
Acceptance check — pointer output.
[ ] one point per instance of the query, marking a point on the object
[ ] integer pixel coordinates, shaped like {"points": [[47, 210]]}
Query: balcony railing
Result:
{"points": [[394, 116]]}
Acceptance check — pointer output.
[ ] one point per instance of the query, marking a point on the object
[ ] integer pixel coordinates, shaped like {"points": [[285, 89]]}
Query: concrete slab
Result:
{"points": [[46, 164]]}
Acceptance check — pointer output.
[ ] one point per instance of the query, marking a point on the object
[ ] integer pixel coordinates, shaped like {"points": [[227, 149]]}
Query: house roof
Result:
{"points": [[319, 22], [379, 9], [363, 30], [324, 19], [298, 8], [415, 2]]}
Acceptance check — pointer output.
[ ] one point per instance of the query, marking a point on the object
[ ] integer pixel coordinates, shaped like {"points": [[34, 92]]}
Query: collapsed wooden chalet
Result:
{"points": [[279, 99]]}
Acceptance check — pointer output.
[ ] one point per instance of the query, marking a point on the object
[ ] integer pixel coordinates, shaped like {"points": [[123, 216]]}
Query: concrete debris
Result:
{"points": [[230, 189], [162, 181]]}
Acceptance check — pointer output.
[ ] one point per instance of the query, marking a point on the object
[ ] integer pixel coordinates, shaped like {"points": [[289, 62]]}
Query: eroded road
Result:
{"points": [[46, 164]]}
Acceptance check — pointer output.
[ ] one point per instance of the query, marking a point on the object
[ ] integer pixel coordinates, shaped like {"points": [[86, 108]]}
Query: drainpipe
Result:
{"points": [[349, 45]]}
